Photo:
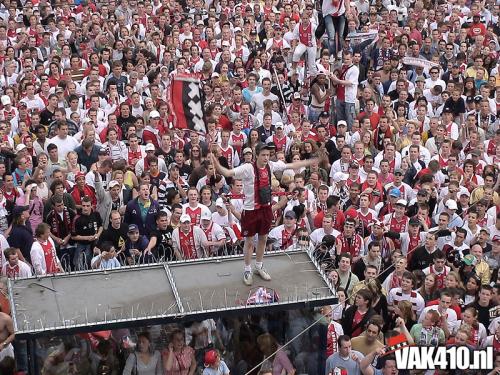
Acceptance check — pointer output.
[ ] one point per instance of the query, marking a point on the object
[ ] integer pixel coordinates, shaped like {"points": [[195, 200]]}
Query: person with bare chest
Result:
{"points": [[7, 335]]}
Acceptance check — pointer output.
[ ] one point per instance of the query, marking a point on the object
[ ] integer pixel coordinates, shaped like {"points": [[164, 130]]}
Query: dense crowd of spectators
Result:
{"points": [[393, 104]]}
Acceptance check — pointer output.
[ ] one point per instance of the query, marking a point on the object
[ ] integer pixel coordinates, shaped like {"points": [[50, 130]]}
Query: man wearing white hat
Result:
{"points": [[151, 133], [216, 238], [189, 240], [8, 111]]}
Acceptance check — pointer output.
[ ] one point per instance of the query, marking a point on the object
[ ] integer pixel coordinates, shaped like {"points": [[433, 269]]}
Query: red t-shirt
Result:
{"points": [[263, 181], [358, 317]]}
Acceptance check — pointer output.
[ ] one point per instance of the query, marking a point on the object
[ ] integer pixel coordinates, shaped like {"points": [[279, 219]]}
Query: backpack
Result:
{"points": [[262, 296]]}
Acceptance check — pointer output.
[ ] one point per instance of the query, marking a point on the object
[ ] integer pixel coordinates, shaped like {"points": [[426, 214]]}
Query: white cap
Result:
{"points": [[464, 192], [113, 183], [20, 147], [451, 204], [296, 95], [225, 44], [237, 29], [340, 176], [150, 147], [185, 218], [154, 114], [206, 215], [6, 100], [279, 124], [321, 70], [402, 202], [219, 203], [341, 122]]}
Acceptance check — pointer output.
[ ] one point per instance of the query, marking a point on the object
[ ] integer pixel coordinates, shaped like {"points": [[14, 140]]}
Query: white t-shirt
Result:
{"points": [[245, 172], [63, 145], [351, 91]]}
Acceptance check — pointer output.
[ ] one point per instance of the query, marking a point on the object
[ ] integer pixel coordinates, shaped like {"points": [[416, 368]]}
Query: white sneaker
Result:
{"points": [[264, 275], [247, 278]]}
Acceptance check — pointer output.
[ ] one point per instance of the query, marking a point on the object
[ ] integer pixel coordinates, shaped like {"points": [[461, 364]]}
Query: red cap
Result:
{"points": [[211, 358], [351, 212], [78, 175]]}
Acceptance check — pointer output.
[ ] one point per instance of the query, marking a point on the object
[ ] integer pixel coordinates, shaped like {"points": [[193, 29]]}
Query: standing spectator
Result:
{"points": [[345, 358], [87, 228], [43, 252]]}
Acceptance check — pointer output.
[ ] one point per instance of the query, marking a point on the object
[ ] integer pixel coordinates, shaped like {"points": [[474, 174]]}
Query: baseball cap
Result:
{"points": [[247, 150], [414, 221], [219, 203], [162, 68], [420, 79], [395, 192], [172, 166], [206, 215], [211, 357], [485, 229], [225, 44], [340, 176], [290, 215], [341, 123], [296, 95], [154, 114], [469, 260], [113, 183], [353, 165], [402, 202], [78, 175], [324, 114], [185, 218], [451, 204], [398, 171], [263, 146], [376, 222], [465, 192], [103, 151], [150, 147], [20, 147], [6, 100], [133, 228], [279, 124], [18, 210], [447, 110], [422, 192]]}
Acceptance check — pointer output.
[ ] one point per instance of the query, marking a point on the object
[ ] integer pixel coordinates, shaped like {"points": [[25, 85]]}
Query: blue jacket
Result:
{"points": [[133, 216], [21, 237]]}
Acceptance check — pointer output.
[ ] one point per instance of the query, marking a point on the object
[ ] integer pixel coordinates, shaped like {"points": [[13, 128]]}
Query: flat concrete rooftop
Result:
{"points": [[160, 293]]}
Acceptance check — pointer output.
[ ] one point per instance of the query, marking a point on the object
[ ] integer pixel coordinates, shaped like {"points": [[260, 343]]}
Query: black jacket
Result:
{"points": [[347, 320]]}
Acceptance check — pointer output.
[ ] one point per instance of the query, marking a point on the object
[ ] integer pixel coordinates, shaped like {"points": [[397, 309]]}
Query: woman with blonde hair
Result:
{"points": [[404, 310], [73, 166], [274, 357], [369, 147], [453, 280]]}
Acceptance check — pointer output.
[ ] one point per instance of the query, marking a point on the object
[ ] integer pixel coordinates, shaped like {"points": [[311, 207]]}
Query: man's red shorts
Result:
{"points": [[257, 221]]}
